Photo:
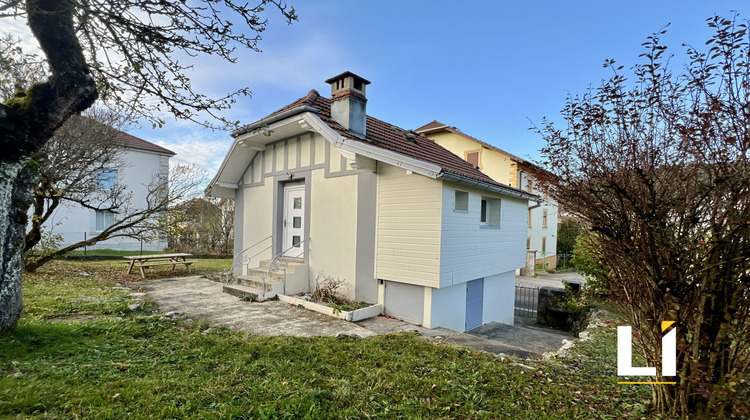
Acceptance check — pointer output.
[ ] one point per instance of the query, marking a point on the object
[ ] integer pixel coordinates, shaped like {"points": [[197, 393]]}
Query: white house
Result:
{"points": [[140, 162], [511, 170], [398, 218]]}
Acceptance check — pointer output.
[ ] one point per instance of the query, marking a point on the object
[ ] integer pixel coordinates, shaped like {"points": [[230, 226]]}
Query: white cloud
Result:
{"points": [[298, 66], [204, 149]]}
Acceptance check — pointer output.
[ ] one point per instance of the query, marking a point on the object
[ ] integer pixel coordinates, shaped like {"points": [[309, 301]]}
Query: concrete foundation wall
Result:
{"points": [[448, 307], [499, 298]]}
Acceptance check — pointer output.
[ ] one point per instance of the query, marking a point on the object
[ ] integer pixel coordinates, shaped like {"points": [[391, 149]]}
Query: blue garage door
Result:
{"points": [[474, 293]]}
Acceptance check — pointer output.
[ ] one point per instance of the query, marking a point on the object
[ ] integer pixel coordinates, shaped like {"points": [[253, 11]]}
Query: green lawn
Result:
{"points": [[79, 352], [113, 252]]}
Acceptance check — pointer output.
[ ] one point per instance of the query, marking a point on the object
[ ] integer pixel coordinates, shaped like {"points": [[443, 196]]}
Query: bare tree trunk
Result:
{"points": [[27, 122], [40, 215], [17, 181]]}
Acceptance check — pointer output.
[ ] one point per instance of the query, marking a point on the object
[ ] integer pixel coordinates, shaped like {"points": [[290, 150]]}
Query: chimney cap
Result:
{"points": [[347, 74]]}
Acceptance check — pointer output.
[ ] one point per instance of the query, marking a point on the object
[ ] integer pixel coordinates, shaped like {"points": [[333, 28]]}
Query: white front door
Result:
{"points": [[294, 221]]}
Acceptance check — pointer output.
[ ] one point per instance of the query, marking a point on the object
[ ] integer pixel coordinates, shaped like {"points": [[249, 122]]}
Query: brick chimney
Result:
{"points": [[349, 106]]}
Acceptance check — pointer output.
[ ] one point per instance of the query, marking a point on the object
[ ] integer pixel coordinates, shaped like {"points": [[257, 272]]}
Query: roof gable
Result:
{"points": [[438, 127], [386, 136], [132, 142]]}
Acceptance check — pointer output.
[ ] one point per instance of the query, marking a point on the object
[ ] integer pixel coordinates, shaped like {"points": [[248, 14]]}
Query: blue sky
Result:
{"points": [[489, 68]]}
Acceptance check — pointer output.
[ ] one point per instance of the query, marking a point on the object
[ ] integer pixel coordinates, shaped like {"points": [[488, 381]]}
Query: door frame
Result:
{"points": [[289, 190], [277, 228]]}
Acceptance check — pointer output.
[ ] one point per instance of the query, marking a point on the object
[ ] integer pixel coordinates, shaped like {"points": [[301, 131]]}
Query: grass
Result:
{"points": [[79, 352], [116, 269], [112, 252]]}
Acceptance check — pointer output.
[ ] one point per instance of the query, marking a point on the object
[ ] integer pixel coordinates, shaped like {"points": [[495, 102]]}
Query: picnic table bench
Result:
{"points": [[143, 261]]}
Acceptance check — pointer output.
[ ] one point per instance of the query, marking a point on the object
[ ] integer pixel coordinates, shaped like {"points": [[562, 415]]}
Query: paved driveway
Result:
{"points": [[549, 279]]}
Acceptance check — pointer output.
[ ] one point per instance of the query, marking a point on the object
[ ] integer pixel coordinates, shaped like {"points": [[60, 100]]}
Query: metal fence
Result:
{"points": [[527, 301]]}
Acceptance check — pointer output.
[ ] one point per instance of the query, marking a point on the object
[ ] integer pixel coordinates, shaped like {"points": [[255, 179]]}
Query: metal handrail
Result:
{"points": [[277, 264], [242, 259]]}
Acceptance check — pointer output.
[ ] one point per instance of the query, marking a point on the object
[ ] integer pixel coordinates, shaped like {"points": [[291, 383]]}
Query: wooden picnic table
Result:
{"points": [[142, 261]]}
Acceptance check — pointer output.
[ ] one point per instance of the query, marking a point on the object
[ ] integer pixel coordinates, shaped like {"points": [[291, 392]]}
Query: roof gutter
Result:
{"points": [[449, 176], [272, 119]]}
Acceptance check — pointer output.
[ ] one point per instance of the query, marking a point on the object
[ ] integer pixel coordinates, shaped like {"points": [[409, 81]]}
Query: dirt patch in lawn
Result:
{"points": [[74, 318]]}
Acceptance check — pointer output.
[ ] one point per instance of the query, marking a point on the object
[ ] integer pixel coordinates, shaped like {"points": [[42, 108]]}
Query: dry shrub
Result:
{"points": [[330, 290]]}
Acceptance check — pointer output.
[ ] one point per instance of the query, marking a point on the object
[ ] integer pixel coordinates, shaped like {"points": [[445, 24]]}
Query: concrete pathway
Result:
{"points": [[199, 298]]}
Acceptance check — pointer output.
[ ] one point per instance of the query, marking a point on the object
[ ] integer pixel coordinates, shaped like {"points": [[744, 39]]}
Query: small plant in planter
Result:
{"points": [[331, 291]]}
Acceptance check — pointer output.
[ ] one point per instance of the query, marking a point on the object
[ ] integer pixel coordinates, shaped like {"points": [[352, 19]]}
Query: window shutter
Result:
{"points": [[473, 158]]}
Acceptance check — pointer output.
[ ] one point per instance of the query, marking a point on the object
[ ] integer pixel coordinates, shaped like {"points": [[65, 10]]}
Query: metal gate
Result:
{"points": [[527, 301]]}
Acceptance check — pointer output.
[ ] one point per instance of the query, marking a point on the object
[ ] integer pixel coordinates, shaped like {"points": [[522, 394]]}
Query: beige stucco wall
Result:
{"points": [[493, 163], [333, 226], [257, 212], [408, 227], [332, 200]]}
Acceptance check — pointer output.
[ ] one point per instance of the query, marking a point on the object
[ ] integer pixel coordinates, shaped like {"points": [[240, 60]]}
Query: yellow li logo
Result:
{"points": [[625, 355]]}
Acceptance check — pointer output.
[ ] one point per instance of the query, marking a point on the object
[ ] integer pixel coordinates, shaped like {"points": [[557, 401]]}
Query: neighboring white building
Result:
{"points": [[399, 219], [140, 163], [511, 170]]}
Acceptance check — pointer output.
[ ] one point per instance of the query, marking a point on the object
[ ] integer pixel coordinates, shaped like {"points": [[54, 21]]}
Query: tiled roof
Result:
{"points": [[134, 142], [436, 127], [389, 137]]}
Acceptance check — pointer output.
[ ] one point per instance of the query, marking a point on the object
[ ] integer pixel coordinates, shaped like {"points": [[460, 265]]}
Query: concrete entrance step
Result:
{"points": [[292, 262], [253, 278], [243, 291]]}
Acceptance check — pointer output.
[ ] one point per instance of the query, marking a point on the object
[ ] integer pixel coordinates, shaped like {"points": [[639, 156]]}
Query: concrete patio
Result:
{"points": [[199, 298]]}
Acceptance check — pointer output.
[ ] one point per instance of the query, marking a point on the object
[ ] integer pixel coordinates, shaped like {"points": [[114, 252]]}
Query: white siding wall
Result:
{"points": [[469, 252], [138, 170], [408, 227]]}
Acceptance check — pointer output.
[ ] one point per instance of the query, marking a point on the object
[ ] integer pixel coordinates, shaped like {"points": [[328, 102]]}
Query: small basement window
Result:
{"points": [[490, 214], [462, 201]]}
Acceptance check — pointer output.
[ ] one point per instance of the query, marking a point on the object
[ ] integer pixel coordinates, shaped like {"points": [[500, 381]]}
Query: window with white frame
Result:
{"points": [[490, 212], [104, 219], [462, 201]]}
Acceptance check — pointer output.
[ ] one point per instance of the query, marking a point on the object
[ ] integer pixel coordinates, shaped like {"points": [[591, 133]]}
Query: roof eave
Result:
{"points": [[433, 130], [143, 149], [272, 119], [513, 192]]}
